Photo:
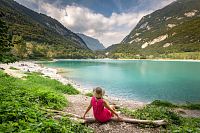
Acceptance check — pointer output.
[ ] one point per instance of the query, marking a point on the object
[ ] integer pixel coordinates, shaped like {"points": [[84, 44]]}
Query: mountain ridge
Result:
{"points": [[173, 28], [91, 42], [42, 31]]}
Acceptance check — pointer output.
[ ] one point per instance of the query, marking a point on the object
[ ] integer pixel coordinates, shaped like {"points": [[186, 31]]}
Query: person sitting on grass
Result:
{"points": [[102, 111]]}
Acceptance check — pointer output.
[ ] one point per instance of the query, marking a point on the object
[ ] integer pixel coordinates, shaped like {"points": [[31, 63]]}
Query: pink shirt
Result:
{"points": [[100, 113]]}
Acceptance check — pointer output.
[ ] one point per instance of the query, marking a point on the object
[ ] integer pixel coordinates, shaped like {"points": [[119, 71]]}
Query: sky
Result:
{"points": [[109, 21]]}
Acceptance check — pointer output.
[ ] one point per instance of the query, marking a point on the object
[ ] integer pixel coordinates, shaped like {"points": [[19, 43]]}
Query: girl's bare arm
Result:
{"points": [[89, 107], [106, 104]]}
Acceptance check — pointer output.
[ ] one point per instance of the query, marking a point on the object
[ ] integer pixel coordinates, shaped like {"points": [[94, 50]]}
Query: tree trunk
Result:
{"points": [[92, 120], [129, 120]]}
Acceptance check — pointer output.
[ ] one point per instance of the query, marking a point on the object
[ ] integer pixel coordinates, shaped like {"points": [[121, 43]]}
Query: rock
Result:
{"points": [[57, 117], [2, 68], [180, 111]]}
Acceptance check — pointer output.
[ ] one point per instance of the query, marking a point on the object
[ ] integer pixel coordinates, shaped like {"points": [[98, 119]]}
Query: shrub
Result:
{"points": [[13, 68], [23, 101], [157, 111], [89, 94]]}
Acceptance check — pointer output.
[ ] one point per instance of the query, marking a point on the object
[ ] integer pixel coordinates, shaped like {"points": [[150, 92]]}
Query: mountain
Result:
{"points": [[42, 32], [91, 43], [172, 29]]}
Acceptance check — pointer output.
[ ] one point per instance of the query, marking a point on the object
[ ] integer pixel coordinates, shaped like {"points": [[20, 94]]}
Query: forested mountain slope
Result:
{"points": [[43, 35], [172, 29]]}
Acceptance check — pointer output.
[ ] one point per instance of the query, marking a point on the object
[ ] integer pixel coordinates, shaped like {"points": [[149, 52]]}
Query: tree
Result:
{"points": [[5, 44], [20, 48]]}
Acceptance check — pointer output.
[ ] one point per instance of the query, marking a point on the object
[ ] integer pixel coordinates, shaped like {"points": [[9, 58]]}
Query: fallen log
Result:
{"points": [[62, 112], [129, 120], [92, 120]]}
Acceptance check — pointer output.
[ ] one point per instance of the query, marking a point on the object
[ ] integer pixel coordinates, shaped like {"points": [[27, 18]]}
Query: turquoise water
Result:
{"points": [[141, 80]]}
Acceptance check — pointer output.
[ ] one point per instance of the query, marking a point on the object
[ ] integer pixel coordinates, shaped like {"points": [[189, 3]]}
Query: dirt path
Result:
{"points": [[78, 104]]}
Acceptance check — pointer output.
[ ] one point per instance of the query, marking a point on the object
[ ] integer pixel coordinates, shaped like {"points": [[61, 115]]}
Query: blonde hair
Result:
{"points": [[98, 92]]}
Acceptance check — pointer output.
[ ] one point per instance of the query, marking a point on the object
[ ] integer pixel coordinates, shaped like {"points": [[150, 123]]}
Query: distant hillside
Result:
{"points": [[91, 43], [172, 29], [41, 31]]}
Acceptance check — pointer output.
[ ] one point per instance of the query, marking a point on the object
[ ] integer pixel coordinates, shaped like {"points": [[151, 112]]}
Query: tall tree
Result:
{"points": [[5, 44], [20, 48]]}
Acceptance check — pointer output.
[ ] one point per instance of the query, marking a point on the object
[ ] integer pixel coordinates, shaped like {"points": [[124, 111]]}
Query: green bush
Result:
{"points": [[162, 110], [154, 113], [13, 68], [89, 94], [163, 103], [23, 101], [191, 106], [171, 105]]}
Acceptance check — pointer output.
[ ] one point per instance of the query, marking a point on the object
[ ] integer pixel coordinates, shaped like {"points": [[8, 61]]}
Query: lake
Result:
{"points": [[141, 80]]}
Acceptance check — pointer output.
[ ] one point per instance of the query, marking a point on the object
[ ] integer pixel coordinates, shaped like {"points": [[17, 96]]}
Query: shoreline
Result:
{"points": [[23, 67], [121, 59], [178, 60]]}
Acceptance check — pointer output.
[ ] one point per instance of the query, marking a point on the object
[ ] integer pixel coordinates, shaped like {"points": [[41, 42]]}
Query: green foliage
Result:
{"points": [[187, 125], [51, 83], [89, 94], [154, 113], [20, 48], [5, 44], [184, 36], [13, 68], [171, 105], [22, 100], [191, 106], [37, 36], [185, 55], [163, 104], [74, 127], [163, 110]]}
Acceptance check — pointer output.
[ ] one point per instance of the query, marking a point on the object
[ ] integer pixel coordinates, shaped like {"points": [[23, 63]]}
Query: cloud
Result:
{"points": [[32, 4], [108, 29]]}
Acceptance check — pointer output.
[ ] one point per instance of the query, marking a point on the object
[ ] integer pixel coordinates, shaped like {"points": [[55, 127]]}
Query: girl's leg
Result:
{"points": [[113, 108]]}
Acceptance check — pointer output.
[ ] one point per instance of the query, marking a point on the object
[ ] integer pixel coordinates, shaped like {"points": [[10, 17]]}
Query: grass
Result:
{"points": [[191, 106], [22, 100], [52, 84], [164, 110], [171, 105]]}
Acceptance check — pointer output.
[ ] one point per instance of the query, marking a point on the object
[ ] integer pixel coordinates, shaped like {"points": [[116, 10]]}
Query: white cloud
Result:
{"points": [[109, 30], [33, 4]]}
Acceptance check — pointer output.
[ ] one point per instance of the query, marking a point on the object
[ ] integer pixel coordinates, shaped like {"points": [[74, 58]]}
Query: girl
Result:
{"points": [[102, 111]]}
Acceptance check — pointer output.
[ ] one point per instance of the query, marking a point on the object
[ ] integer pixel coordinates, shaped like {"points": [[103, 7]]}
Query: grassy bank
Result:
{"points": [[164, 110], [22, 100]]}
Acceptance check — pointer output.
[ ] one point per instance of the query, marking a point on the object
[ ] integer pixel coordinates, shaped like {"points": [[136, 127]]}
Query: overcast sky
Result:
{"points": [[107, 20]]}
